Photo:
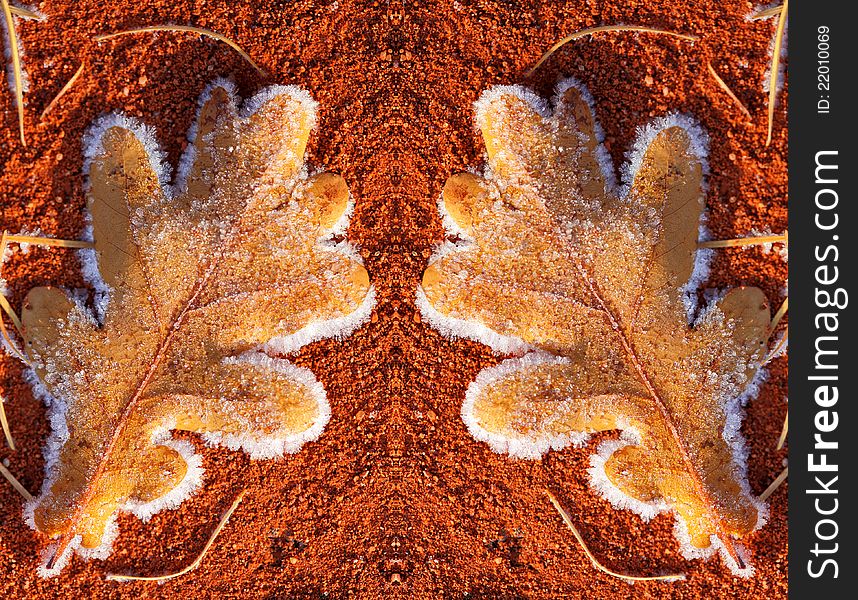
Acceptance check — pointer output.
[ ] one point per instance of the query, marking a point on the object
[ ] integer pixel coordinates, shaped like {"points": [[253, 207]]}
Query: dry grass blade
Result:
{"points": [[63, 91], [775, 484], [17, 73], [7, 308], [566, 519], [783, 436], [773, 77], [746, 241], [778, 347], [197, 561], [25, 13], [592, 30], [769, 12], [185, 28], [5, 423], [723, 85], [15, 483], [51, 242], [780, 314]]}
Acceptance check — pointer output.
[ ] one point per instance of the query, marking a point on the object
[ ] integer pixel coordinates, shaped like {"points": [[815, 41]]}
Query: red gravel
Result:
{"points": [[396, 498]]}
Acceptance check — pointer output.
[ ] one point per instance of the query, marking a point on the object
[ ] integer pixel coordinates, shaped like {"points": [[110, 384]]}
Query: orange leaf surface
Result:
{"points": [[196, 286], [593, 285]]}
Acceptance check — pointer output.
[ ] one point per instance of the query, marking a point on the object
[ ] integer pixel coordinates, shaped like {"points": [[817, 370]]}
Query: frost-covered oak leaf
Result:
{"points": [[195, 284], [591, 285]]}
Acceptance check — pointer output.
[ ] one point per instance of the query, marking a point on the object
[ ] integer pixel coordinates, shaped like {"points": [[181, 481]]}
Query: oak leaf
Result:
{"points": [[593, 285], [194, 283]]}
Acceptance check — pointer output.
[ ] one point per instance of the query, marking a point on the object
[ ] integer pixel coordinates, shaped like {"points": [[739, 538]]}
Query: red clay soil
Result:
{"points": [[395, 499]]}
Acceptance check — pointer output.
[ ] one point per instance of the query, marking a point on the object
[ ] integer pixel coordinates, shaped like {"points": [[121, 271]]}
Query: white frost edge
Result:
{"points": [[527, 448], [452, 328], [599, 480], [606, 488], [60, 562], [732, 434], [257, 447], [243, 110], [250, 106], [698, 146], [100, 552], [93, 146], [716, 546], [338, 329], [91, 274], [190, 484], [56, 413], [538, 103], [261, 446], [187, 158], [544, 109], [603, 157], [735, 413]]}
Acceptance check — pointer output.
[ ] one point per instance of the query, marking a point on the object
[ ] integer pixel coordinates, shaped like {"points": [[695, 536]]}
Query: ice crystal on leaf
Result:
{"points": [[192, 282], [591, 280]]}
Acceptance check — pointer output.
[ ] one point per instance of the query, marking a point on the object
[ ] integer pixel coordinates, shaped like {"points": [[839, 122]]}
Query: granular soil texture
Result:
{"points": [[395, 499]]}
